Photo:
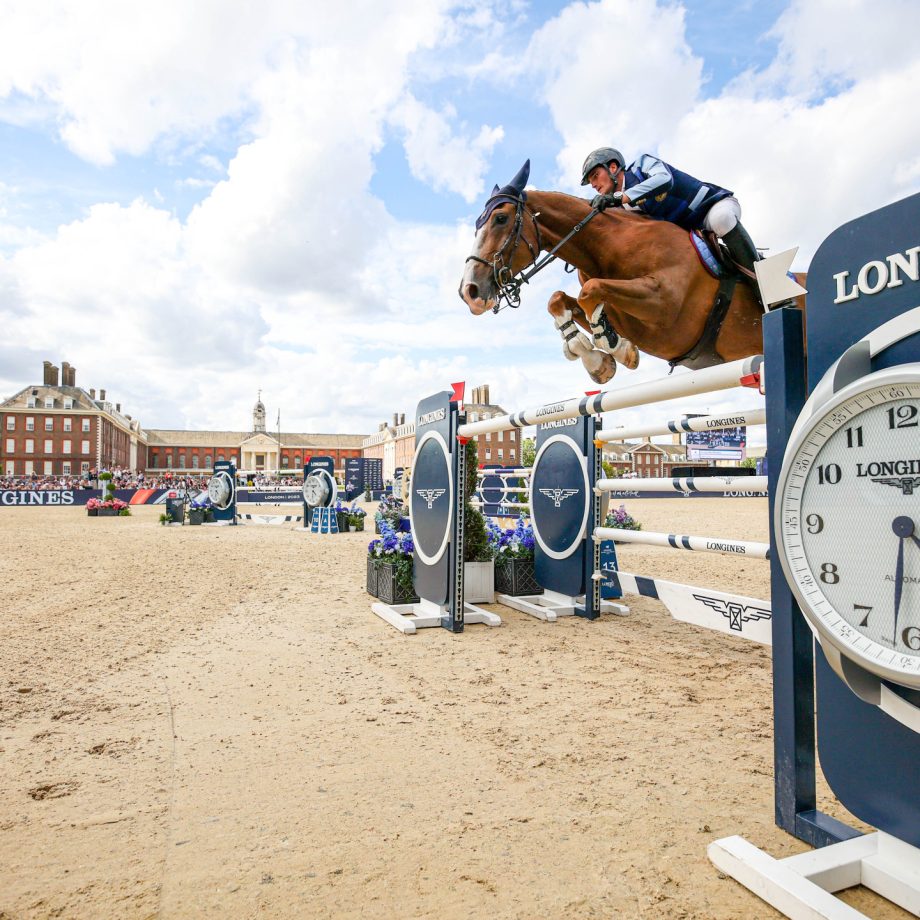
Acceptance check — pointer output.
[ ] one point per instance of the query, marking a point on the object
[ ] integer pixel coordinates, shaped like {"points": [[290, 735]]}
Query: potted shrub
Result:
{"points": [[478, 567], [513, 550], [389, 567], [356, 517]]}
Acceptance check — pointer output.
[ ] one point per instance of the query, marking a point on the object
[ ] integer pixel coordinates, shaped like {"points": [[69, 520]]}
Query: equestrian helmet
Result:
{"points": [[600, 157]]}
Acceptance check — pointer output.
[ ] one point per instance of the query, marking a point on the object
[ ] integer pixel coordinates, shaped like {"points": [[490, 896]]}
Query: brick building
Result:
{"points": [[394, 443], [59, 429], [179, 451]]}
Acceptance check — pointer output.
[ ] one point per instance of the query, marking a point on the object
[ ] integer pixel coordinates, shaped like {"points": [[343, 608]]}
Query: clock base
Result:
{"points": [[803, 886]]}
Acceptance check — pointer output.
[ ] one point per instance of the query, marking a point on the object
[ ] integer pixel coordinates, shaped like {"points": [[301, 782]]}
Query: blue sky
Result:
{"points": [[197, 203]]}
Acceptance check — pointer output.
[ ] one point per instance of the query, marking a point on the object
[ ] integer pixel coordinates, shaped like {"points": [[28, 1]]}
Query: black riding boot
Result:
{"points": [[741, 248]]}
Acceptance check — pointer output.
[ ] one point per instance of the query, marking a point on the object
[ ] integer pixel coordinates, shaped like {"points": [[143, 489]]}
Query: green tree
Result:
{"points": [[528, 452], [475, 540], [749, 463]]}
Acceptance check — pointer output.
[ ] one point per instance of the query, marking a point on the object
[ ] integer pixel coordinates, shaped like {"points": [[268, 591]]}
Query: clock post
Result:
{"points": [[844, 480]]}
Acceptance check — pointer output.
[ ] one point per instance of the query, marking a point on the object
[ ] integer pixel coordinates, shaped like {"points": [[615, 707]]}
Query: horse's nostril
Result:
{"points": [[472, 291]]}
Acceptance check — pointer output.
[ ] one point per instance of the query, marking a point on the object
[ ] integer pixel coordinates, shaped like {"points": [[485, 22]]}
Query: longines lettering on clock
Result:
{"points": [[849, 522]]}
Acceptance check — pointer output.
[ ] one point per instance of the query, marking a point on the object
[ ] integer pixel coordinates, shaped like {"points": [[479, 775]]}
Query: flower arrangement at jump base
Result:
{"points": [[389, 566], [621, 519], [349, 517], [513, 551], [392, 511], [199, 511], [111, 507]]}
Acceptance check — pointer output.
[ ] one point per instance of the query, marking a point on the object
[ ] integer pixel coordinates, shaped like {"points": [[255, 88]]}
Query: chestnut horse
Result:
{"points": [[644, 274]]}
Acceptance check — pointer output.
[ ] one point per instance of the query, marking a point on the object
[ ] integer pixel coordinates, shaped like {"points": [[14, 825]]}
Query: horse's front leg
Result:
{"points": [[597, 293], [566, 313]]}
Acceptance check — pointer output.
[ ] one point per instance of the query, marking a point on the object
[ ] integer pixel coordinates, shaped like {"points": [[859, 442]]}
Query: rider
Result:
{"points": [[658, 189]]}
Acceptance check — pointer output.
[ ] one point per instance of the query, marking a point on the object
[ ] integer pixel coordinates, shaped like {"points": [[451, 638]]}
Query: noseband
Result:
{"points": [[506, 283]]}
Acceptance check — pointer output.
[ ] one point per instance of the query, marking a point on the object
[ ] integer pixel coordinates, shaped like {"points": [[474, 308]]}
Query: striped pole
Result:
{"points": [[479, 504], [680, 425], [682, 541], [502, 472], [718, 485], [708, 380]]}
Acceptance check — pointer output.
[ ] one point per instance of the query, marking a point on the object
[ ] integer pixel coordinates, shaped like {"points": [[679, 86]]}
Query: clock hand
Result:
{"points": [[903, 528]]}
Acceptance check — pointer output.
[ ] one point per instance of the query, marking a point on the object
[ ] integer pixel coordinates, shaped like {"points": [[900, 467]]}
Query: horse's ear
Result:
{"points": [[520, 180], [495, 191]]}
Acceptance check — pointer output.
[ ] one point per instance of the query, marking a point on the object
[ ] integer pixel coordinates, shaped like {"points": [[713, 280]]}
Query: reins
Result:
{"points": [[508, 284]]}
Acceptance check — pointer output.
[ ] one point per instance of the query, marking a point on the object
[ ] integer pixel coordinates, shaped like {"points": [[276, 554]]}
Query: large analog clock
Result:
{"points": [[220, 490], [847, 521]]}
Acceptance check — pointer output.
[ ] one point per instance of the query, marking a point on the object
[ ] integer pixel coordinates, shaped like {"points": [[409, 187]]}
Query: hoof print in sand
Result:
{"points": [[53, 791]]}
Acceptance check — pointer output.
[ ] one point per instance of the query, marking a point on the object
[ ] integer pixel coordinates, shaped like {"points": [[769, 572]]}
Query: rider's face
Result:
{"points": [[600, 180]]}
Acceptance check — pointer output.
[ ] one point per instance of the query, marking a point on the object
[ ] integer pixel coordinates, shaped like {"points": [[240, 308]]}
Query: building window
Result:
{"points": [[84, 447], [30, 467], [66, 467], [84, 425], [30, 446], [49, 424], [30, 423], [500, 435], [48, 468], [49, 447], [207, 462], [84, 466], [68, 424], [10, 445], [195, 461], [285, 461], [10, 468], [30, 402], [169, 461], [511, 454], [488, 453], [66, 448], [181, 461], [297, 463], [49, 402], [68, 402], [11, 423]]}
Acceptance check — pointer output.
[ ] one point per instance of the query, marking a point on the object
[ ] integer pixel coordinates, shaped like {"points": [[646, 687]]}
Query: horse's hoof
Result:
{"points": [[600, 366], [626, 353]]}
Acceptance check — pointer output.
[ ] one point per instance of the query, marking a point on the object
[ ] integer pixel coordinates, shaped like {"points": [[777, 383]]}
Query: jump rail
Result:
{"points": [[744, 372], [685, 424]]}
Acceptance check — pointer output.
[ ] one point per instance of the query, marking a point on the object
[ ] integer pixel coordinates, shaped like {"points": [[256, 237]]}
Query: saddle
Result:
{"points": [[715, 257]]}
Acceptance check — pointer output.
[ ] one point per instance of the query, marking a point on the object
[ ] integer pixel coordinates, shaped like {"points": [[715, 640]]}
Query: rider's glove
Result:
{"points": [[608, 200]]}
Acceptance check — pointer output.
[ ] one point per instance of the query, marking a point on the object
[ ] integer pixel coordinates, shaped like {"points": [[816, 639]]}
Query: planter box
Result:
{"points": [[371, 576], [479, 582], [393, 590], [107, 512], [405, 525], [358, 525], [196, 517], [92, 512], [516, 577], [341, 518]]}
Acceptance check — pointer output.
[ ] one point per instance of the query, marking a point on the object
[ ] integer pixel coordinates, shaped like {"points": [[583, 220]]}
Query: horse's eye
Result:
{"points": [[501, 219]]}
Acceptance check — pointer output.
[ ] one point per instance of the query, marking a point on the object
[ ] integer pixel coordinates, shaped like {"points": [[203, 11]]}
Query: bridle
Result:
{"points": [[508, 284]]}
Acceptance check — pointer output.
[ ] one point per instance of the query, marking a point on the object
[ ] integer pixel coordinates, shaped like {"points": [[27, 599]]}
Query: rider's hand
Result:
{"points": [[608, 200]]}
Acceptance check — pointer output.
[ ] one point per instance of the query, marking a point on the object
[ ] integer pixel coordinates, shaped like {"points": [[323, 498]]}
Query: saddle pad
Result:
{"points": [[709, 261]]}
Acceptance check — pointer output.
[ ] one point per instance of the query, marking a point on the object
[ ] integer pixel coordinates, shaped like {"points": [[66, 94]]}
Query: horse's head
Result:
{"points": [[496, 257]]}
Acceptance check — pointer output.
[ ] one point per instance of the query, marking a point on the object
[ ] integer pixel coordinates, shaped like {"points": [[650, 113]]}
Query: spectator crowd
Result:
{"points": [[121, 479]]}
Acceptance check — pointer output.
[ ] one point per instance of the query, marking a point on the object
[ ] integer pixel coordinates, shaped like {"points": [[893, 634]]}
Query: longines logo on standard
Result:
{"points": [[558, 496], [877, 275], [562, 423], [430, 495], [430, 417]]}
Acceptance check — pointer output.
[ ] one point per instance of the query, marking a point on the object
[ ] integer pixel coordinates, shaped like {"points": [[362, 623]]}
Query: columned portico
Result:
{"points": [[260, 452]]}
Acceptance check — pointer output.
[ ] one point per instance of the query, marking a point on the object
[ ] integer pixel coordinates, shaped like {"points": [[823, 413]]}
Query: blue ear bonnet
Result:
{"points": [[513, 193]]}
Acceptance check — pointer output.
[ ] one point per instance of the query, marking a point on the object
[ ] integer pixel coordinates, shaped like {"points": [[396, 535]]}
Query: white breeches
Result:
{"points": [[723, 216]]}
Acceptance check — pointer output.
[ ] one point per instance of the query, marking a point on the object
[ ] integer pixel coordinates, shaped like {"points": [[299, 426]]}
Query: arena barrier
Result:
{"points": [[567, 502]]}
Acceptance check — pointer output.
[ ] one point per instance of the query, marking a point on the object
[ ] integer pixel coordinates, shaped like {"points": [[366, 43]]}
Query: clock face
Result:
{"points": [[219, 490], [848, 522], [315, 490]]}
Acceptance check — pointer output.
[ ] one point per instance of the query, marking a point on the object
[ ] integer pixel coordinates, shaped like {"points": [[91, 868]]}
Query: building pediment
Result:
{"points": [[257, 441]]}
